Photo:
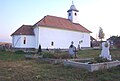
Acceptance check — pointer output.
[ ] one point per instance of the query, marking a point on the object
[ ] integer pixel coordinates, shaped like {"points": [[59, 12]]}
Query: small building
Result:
{"points": [[52, 32]]}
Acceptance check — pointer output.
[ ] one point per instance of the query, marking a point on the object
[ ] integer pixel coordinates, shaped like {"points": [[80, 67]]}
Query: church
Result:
{"points": [[52, 32]]}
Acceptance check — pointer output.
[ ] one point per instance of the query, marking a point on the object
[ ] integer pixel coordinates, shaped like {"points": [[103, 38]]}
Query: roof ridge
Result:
{"points": [[49, 16], [39, 21]]}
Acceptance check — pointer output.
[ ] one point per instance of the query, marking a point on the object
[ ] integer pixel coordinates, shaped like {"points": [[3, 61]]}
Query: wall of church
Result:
{"points": [[37, 35], [57, 38], [23, 41]]}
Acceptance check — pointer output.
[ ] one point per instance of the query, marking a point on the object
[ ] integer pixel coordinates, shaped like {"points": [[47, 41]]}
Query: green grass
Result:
{"points": [[13, 67], [7, 56], [88, 53], [115, 53]]}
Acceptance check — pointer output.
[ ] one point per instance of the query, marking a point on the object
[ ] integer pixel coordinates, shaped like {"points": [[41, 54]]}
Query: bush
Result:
{"points": [[65, 56], [55, 55], [47, 55], [98, 60], [62, 56], [2, 49], [19, 52]]}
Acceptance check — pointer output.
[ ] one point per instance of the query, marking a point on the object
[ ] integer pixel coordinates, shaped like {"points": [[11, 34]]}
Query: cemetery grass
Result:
{"points": [[14, 67]]}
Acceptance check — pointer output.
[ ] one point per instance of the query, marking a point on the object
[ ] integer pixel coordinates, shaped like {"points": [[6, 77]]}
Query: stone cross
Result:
{"points": [[105, 53]]}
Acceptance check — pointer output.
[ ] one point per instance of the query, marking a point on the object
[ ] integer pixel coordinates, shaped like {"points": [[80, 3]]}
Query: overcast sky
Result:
{"points": [[92, 14]]}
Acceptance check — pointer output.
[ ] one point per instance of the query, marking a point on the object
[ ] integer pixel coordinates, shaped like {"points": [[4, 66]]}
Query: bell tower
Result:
{"points": [[73, 14]]}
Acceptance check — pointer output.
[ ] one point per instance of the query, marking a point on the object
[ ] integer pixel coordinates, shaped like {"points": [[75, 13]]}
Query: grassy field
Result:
{"points": [[14, 67]]}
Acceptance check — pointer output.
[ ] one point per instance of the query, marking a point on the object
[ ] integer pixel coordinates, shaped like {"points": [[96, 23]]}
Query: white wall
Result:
{"points": [[73, 17], [37, 34], [18, 41], [44, 36], [62, 38]]}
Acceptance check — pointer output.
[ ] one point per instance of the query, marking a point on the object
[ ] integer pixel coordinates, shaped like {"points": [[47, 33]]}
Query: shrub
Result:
{"points": [[64, 56], [47, 55], [55, 55], [2, 49], [61, 55], [98, 60]]}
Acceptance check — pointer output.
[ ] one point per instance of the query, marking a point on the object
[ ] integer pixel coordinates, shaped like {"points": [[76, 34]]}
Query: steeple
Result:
{"points": [[73, 14]]}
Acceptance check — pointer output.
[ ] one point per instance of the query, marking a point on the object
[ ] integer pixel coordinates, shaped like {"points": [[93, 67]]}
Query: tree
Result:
{"points": [[101, 34], [115, 40]]}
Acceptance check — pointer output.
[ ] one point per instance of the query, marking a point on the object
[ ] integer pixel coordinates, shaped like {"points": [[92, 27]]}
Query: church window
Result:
{"points": [[24, 41], [69, 14], [75, 14], [52, 43]]}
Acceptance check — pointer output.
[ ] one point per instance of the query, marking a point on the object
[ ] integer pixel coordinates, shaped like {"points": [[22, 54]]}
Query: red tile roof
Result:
{"points": [[61, 23], [52, 22], [24, 30]]}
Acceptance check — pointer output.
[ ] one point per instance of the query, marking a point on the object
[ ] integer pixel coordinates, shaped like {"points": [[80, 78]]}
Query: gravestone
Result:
{"points": [[105, 53], [79, 44], [72, 51]]}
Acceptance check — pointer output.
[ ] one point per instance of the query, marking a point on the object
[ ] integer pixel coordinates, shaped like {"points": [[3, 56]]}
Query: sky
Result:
{"points": [[92, 14]]}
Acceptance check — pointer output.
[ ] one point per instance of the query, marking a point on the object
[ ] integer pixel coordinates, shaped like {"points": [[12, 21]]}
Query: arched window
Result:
{"points": [[75, 14], [52, 43], [69, 14], [24, 41]]}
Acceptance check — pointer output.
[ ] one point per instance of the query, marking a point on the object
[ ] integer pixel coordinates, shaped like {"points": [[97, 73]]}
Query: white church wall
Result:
{"points": [[16, 41], [23, 41], [86, 40], [62, 38], [36, 32]]}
